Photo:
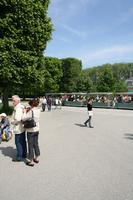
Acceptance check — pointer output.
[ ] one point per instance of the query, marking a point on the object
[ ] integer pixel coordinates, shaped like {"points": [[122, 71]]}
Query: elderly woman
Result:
{"points": [[32, 133]]}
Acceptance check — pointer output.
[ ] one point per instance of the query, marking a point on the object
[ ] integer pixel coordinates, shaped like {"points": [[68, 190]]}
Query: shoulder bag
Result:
{"points": [[30, 123]]}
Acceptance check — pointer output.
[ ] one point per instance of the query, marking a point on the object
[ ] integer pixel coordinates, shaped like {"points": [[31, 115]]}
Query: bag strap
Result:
{"points": [[32, 114]]}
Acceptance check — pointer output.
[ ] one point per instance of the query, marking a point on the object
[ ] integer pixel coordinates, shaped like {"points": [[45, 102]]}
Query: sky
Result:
{"points": [[94, 31]]}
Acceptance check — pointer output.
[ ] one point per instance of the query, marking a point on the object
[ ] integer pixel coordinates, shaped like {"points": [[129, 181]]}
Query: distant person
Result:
{"points": [[49, 103], [44, 103], [114, 101], [60, 103], [90, 113], [56, 102], [18, 129]]}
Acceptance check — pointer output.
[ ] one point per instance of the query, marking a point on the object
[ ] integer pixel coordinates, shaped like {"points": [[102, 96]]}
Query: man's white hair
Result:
{"points": [[16, 97]]}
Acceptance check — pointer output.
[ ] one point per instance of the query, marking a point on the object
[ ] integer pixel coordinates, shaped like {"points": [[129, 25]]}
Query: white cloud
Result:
{"points": [[74, 31], [119, 53], [65, 10], [110, 52], [64, 39]]}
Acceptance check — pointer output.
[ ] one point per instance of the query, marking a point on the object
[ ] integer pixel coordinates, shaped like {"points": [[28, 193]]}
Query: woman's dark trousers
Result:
{"points": [[33, 146]]}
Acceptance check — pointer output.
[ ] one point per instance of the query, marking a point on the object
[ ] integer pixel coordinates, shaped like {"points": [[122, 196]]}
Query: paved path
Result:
{"points": [[76, 163]]}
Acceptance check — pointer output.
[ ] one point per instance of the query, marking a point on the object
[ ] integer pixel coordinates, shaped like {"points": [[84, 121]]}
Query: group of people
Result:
{"points": [[20, 115], [47, 102], [28, 149]]}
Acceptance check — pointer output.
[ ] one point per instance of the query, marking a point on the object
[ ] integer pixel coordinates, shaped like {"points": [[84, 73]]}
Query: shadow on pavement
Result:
{"points": [[8, 151], [128, 136], [81, 125]]}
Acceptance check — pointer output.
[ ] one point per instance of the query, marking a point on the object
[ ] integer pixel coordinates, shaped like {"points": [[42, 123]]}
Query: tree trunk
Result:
{"points": [[5, 98]]}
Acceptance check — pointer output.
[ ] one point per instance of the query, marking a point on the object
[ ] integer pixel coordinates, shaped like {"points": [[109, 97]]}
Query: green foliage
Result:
{"points": [[84, 83], [120, 86], [53, 74], [109, 78], [8, 110], [71, 72], [106, 80], [25, 30]]}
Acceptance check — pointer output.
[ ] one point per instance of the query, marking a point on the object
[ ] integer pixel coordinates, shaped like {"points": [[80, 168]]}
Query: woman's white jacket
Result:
{"points": [[36, 114]]}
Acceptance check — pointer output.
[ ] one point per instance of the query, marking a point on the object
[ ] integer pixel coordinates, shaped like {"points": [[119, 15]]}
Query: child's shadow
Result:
{"points": [[128, 136], [8, 151], [81, 125]]}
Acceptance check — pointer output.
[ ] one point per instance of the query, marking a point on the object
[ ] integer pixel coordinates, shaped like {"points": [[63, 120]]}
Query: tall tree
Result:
{"points": [[106, 80], [53, 74], [84, 83], [25, 29], [71, 72]]}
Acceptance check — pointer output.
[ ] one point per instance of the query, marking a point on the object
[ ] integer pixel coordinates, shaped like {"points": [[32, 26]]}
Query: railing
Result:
{"points": [[108, 105]]}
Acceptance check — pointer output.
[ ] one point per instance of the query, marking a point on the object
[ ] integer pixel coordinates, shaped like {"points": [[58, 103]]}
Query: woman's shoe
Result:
{"points": [[30, 164], [36, 161]]}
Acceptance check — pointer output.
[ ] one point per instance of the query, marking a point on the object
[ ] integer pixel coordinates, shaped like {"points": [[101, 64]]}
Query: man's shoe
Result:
{"points": [[16, 160], [91, 127]]}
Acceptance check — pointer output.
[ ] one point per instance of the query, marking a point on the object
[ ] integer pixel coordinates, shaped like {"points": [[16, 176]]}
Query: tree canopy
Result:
{"points": [[53, 74], [25, 29], [72, 68]]}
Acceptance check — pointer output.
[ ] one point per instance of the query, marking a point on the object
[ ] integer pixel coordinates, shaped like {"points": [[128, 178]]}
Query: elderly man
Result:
{"points": [[18, 129]]}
